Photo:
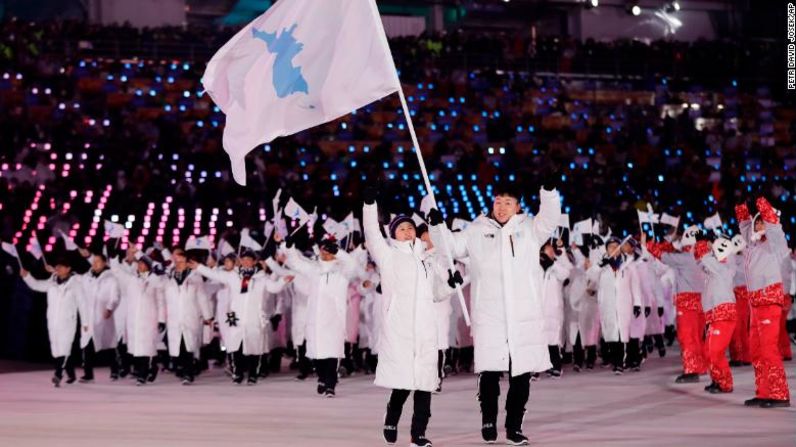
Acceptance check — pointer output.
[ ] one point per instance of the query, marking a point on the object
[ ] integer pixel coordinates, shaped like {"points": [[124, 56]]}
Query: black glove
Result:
{"points": [[660, 312], [604, 261], [161, 327], [434, 217], [232, 319], [370, 194], [454, 278], [551, 179], [378, 288], [637, 311], [647, 311], [275, 322], [289, 242], [702, 236]]}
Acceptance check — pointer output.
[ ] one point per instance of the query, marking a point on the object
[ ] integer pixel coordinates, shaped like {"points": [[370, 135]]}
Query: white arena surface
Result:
{"points": [[588, 409]]}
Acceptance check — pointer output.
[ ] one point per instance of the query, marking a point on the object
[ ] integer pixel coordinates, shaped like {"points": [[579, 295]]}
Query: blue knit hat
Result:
{"points": [[398, 220]]}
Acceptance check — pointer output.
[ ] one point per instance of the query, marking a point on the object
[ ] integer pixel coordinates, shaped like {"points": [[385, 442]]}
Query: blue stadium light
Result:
{"points": [[267, 148], [433, 127], [608, 129], [660, 179], [185, 66], [511, 179], [200, 123], [123, 78], [420, 86], [451, 100], [441, 113], [585, 165], [400, 127], [461, 99], [411, 98], [333, 177], [170, 80], [152, 93], [182, 108], [476, 128], [186, 94], [591, 151], [431, 86], [344, 125], [386, 165], [214, 123], [689, 215], [454, 114], [531, 129], [519, 128], [630, 165], [353, 163], [303, 163], [400, 164], [351, 148], [496, 114], [734, 83]]}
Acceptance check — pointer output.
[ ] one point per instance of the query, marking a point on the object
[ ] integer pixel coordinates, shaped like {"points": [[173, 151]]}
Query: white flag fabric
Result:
{"points": [[459, 224], [198, 243], [281, 226], [583, 227], [114, 230], [10, 249], [275, 201], [224, 248], [348, 225], [247, 241], [667, 219], [268, 230], [713, 222], [313, 219], [68, 242], [330, 225], [294, 211], [301, 64], [426, 204], [35, 248], [417, 219], [564, 221]]}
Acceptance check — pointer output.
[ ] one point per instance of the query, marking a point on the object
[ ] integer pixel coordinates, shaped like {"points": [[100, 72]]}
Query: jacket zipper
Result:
{"points": [[511, 241]]}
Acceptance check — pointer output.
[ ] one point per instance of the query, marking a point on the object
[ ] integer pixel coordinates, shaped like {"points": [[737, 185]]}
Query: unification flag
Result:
{"points": [[10, 249], [713, 222], [300, 64]]}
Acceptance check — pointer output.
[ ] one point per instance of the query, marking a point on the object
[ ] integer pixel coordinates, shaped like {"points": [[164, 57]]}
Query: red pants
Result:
{"points": [[770, 377], [719, 337], [784, 339], [690, 327], [739, 347]]}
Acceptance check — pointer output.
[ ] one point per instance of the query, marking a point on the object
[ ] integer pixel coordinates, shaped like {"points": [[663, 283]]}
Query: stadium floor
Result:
{"points": [[587, 409]]}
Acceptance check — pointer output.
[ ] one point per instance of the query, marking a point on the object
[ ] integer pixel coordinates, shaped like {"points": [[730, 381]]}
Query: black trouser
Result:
{"points": [[555, 356], [452, 358], [671, 334], [64, 364], [516, 399], [185, 363], [275, 360], [89, 355], [616, 354], [304, 364], [327, 372], [120, 366], [659, 344], [145, 367], [243, 364], [348, 361], [578, 353], [440, 364], [634, 353], [466, 358], [605, 351], [420, 416]]}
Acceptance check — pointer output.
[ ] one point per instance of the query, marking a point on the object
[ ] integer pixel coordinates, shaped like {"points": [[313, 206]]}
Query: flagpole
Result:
{"points": [[429, 191], [420, 161]]}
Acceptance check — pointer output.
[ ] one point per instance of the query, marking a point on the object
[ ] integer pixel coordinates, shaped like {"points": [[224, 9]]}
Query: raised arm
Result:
{"points": [[224, 277], [546, 221], [37, 285], [744, 220], [377, 246], [296, 261], [775, 236]]}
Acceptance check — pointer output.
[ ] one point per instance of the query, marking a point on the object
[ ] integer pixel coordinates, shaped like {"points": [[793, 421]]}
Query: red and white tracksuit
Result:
{"points": [[690, 283], [718, 300], [739, 347], [762, 262]]}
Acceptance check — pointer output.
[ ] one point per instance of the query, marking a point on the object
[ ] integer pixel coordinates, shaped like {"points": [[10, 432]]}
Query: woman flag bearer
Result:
{"points": [[328, 277], [507, 316], [410, 282], [763, 256], [63, 291], [557, 268], [718, 301], [245, 314]]}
